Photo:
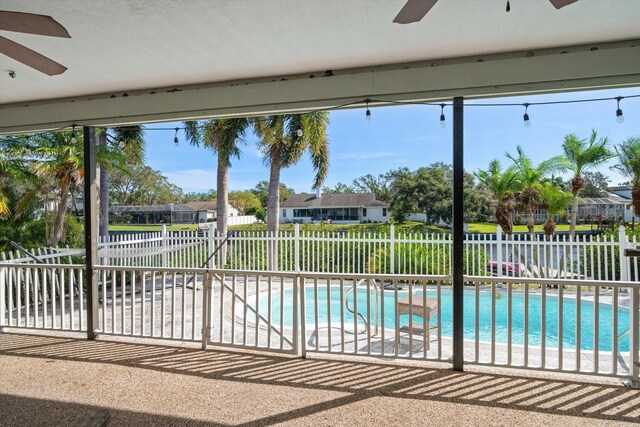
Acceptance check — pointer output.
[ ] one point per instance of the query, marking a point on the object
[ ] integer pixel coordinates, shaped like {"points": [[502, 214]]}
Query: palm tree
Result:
{"points": [[131, 141], [581, 155], [501, 185], [223, 136], [284, 139], [629, 166], [529, 179], [555, 201], [59, 158]]}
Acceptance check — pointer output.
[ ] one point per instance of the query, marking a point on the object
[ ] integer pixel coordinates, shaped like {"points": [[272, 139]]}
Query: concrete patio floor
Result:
{"points": [[58, 381]]}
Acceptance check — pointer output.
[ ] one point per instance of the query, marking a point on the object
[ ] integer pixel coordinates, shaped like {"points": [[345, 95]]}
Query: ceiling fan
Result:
{"points": [[31, 23], [415, 10]]}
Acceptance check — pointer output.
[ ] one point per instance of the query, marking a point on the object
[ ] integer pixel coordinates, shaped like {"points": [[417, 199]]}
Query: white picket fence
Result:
{"points": [[587, 257]]}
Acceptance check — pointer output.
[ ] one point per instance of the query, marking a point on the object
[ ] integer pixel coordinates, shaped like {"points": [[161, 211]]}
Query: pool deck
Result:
{"points": [[59, 381]]}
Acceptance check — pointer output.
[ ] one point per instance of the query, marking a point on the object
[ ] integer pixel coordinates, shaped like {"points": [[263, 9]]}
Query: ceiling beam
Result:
{"points": [[583, 67]]}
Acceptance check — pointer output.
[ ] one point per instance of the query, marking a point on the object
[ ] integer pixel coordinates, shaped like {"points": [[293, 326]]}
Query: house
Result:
{"points": [[338, 208], [152, 214], [206, 211]]}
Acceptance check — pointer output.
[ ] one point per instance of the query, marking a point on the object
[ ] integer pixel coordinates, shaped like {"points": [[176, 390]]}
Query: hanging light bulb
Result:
{"points": [[619, 115], [525, 117], [121, 143], [299, 133], [368, 112], [508, 6], [175, 137], [73, 135], [443, 119]]}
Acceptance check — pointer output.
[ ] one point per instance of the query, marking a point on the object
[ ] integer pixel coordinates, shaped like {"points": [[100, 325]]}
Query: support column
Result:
{"points": [[91, 228], [458, 237]]}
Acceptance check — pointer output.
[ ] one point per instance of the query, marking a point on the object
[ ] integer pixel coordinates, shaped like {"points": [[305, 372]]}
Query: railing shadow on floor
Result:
{"points": [[361, 380]]}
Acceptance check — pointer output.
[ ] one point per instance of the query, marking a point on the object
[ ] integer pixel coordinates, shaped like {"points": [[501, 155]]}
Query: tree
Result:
{"points": [[596, 184], [501, 184], [581, 155], [131, 141], [224, 137], [261, 190], [196, 196], [629, 166], [379, 185], [284, 139], [339, 188], [244, 201], [59, 158], [529, 179], [141, 185], [555, 201]]}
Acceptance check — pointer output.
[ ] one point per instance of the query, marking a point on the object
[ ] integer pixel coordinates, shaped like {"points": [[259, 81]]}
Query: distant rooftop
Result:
{"points": [[332, 200]]}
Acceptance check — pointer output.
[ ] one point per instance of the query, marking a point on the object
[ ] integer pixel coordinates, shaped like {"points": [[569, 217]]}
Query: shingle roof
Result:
{"points": [[332, 200]]}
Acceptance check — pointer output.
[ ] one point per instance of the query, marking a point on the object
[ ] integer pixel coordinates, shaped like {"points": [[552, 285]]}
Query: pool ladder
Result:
{"points": [[366, 321]]}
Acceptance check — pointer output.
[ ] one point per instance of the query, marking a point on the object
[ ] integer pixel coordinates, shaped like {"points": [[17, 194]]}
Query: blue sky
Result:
{"points": [[410, 136]]}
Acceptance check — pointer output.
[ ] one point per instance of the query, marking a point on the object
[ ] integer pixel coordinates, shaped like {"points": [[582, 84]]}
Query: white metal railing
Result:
{"points": [[573, 325], [42, 296], [582, 326]]}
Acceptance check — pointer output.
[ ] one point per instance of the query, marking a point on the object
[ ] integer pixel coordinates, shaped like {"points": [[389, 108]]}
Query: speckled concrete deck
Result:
{"points": [[56, 381]]}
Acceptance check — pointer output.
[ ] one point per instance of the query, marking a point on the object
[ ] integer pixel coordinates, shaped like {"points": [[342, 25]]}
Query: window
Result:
{"points": [[284, 213], [384, 211], [364, 211]]}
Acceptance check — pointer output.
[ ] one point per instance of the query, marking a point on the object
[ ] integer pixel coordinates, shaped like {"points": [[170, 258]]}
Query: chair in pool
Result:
{"points": [[420, 331]]}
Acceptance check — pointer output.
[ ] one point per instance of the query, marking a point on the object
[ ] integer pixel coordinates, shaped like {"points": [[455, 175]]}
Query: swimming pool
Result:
{"points": [[568, 307]]}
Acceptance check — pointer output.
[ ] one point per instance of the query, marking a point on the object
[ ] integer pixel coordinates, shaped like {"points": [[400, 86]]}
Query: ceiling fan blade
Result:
{"points": [[32, 24], [414, 11], [30, 57], [558, 4]]}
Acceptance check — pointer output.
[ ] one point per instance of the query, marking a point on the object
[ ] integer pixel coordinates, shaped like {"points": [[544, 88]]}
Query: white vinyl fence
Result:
{"points": [[587, 257]]}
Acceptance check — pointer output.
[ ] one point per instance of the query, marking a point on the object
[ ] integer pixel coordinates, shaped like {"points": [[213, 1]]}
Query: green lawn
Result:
{"points": [[407, 227], [134, 227]]}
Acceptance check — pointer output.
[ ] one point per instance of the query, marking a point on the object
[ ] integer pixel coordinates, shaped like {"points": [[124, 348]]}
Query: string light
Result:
{"points": [[73, 135], [619, 115], [299, 133], [175, 137], [355, 103], [368, 112], [525, 117], [121, 143]]}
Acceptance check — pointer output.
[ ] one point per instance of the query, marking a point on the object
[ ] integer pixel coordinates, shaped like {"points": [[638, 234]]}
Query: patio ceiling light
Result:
{"points": [[175, 137], [443, 119]]}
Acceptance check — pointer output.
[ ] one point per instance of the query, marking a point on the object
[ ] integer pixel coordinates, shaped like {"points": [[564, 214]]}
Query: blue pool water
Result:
{"points": [[568, 306]]}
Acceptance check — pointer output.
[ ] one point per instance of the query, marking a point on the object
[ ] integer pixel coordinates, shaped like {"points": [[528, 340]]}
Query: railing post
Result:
{"points": [[622, 245], [635, 318], [164, 245], [392, 250], [302, 347], [212, 247], [296, 246], [3, 297], [499, 253], [207, 303]]}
